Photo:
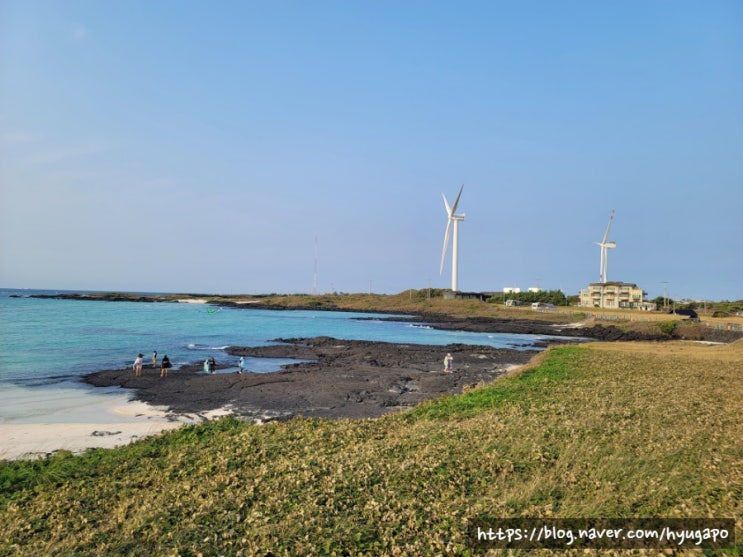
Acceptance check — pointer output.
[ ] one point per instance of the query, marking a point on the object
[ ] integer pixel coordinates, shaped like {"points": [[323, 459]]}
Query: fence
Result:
{"points": [[724, 326]]}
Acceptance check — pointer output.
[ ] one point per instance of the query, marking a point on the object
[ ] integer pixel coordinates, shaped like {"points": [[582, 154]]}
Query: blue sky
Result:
{"points": [[203, 146]]}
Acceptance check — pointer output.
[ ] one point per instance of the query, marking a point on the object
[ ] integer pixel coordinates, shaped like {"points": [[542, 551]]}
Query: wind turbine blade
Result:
{"points": [[446, 244], [608, 226], [456, 202], [446, 204]]}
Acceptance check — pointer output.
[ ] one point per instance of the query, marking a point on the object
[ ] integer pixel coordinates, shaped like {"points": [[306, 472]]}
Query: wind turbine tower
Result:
{"points": [[605, 247], [452, 217]]}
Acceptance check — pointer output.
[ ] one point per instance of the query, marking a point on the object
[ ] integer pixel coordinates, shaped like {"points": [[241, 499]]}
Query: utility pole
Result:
{"points": [[665, 296]]}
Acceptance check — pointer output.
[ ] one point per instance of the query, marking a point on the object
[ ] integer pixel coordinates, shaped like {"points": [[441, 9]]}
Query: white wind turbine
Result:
{"points": [[452, 218], [605, 247]]}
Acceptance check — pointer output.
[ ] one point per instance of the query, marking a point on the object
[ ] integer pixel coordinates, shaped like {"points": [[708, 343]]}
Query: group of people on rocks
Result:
{"points": [[210, 365], [165, 364]]}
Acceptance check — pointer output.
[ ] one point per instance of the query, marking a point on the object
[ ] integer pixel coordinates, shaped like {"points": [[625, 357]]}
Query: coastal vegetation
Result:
{"points": [[597, 430], [667, 327]]}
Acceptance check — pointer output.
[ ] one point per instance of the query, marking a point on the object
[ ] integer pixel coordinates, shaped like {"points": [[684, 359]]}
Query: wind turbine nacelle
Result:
{"points": [[610, 244]]}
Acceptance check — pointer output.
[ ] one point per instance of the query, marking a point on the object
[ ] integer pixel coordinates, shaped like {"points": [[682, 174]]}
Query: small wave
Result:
{"points": [[192, 346], [414, 326]]}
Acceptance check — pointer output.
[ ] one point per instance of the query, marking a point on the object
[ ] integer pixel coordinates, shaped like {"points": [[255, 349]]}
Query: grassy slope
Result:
{"points": [[593, 431]]}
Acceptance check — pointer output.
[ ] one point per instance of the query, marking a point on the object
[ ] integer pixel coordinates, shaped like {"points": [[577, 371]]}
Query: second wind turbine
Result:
{"points": [[605, 247], [452, 218]]}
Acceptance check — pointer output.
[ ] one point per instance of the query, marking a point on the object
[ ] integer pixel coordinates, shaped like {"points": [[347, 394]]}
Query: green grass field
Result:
{"points": [[602, 430]]}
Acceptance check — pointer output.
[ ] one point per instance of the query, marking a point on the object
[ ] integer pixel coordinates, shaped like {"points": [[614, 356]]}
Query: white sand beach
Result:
{"points": [[84, 421]]}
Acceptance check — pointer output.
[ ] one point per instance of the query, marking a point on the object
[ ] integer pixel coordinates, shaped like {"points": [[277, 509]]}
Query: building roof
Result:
{"points": [[613, 283]]}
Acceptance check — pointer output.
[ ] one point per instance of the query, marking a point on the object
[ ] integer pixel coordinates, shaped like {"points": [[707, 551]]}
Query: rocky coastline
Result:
{"points": [[338, 379]]}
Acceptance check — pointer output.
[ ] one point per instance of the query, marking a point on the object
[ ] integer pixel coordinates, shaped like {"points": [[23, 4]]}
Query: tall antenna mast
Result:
{"points": [[314, 281]]}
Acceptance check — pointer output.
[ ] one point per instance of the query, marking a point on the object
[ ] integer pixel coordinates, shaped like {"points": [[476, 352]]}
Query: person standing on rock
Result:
{"points": [[138, 365], [241, 365], [165, 365], [448, 363], [154, 359]]}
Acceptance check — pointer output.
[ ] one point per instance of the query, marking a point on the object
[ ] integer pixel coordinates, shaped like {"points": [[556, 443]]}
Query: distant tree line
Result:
{"points": [[556, 297]]}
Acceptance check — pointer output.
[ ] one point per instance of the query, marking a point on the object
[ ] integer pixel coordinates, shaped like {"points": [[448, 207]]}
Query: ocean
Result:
{"points": [[46, 345]]}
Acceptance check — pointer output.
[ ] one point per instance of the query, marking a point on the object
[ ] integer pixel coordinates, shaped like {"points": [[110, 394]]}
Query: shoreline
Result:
{"points": [[338, 379], [368, 387]]}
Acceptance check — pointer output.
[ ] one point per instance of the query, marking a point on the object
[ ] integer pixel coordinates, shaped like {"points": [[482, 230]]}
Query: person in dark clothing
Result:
{"points": [[165, 365]]}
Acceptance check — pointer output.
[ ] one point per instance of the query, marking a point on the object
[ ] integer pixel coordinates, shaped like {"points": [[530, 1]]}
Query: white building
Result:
{"points": [[615, 295]]}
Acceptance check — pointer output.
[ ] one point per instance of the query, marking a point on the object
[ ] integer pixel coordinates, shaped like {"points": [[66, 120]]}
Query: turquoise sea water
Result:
{"points": [[47, 344]]}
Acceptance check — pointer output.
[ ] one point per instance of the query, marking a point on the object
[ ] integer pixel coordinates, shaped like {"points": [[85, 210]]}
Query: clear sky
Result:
{"points": [[192, 146]]}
